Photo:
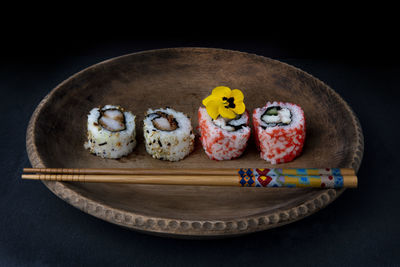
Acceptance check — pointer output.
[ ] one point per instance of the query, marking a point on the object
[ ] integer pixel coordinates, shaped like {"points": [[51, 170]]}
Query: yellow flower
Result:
{"points": [[225, 102]]}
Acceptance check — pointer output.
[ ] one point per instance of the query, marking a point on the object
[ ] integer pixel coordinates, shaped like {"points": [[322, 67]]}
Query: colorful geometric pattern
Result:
{"points": [[246, 177], [338, 181], [327, 181], [267, 178], [311, 171], [302, 181], [276, 177]]}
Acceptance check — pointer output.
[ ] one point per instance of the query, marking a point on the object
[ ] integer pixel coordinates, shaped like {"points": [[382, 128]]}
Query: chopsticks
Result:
{"points": [[244, 177]]}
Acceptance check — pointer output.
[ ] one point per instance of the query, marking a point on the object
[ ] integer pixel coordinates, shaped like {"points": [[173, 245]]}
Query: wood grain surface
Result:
{"points": [[181, 78]]}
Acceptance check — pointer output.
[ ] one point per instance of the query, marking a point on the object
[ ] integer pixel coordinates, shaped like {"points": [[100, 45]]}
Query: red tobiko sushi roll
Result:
{"points": [[280, 131], [223, 140], [224, 124]]}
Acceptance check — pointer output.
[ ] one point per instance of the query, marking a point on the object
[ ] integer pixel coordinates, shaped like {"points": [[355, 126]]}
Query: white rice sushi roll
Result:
{"points": [[111, 132], [168, 134]]}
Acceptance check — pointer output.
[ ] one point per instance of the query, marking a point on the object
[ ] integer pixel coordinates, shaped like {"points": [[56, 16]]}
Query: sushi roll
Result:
{"points": [[223, 124], [168, 134], [111, 132], [223, 139], [280, 131]]}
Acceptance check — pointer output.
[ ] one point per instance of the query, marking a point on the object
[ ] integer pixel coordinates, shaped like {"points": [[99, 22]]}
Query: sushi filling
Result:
{"points": [[163, 121], [112, 119], [231, 125], [277, 116]]}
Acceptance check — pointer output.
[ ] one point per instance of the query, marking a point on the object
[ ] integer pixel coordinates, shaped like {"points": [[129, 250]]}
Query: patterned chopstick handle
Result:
{"points": [[314, 171], [275, 177]]}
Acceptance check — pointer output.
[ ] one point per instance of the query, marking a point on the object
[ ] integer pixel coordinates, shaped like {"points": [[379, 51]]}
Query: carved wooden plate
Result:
{"points": [[181, 78]]}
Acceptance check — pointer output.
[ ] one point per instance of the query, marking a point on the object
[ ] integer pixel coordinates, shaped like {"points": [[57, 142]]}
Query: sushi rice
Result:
{"points": [[168, 134], [280, 131], [111, 132], [223, 139]]}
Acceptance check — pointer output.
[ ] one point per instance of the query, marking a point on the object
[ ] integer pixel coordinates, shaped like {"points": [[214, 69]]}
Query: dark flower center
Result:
{"points": [[230, 101]]}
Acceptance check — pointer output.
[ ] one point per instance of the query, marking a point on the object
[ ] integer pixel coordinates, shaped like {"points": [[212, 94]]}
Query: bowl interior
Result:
{"points": [[181, 78]]}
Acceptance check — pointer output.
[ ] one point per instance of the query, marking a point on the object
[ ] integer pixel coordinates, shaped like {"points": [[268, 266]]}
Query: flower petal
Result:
{"points": [[221, 91], [239, 107], [237, 95], [226, 112], [210, 98], [213, 108]]}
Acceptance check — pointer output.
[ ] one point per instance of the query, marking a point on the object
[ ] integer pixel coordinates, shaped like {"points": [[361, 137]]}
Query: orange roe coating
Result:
{"points": [[280, 144], [220, 144]]}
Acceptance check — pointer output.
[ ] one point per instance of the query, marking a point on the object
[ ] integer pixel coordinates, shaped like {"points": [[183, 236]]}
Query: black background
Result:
{"points": [[358, 60]]}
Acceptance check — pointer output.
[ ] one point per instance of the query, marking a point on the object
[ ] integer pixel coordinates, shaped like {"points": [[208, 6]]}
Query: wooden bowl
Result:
{"points": [[181, 78]]}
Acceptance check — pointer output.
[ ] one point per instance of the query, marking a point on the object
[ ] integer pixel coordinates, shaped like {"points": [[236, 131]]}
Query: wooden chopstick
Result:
{"points": [[137, 179], [245, 177], [185, 171]]}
